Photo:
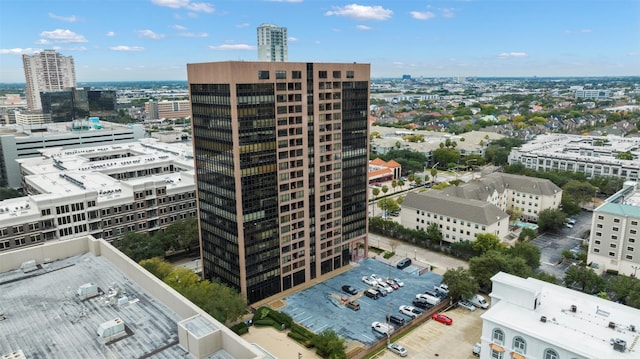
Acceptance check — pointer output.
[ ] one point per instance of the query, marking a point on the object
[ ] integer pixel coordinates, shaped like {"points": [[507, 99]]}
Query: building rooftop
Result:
{"points": [[472, 210], [625, 202], [588, 329], [485, 186], [81, 298], [56, 128]]}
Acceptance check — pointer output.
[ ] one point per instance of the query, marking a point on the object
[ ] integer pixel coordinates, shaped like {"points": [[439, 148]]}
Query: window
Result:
{"points": [[350, 74], [322, 74], [519, 345], [280, 75], [263, 75], [337, 75], [498, 336], [550, 354]]}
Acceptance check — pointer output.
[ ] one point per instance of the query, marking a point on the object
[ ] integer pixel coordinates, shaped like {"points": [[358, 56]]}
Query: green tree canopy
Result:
{"points": [[445, 156], [581, 191], [157, 266], [487, 242], [585, 279], [527, 251], [183, 234], [551, 219], [433, 233], [330, 345], [461, 283], [139, 246]]}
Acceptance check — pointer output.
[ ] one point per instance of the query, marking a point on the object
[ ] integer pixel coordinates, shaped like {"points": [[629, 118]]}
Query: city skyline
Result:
{"points": [[154, 40]]}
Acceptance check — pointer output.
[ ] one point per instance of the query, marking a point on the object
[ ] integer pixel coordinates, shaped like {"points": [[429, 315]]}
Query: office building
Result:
{"points": [[167, 109], [608, 156], [47, 71], [73, 104], [18, 142], [281, 155], [529, 318], [272, 43], [104, 191], [82, 298], [613, 244]]}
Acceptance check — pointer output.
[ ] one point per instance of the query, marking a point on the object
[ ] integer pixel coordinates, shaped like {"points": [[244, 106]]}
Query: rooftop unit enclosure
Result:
{"points": [[87, 291], [619, 345], [518, 291], [112, 330]]}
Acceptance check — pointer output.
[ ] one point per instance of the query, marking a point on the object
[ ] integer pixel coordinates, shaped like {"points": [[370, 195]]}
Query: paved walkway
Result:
{"points": [[277, 343]]}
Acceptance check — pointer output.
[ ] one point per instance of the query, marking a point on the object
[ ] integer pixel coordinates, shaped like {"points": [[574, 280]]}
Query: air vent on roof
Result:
{"points": [[543, 319], [28, 266], [574, 308], [612, 325], [619, 345], [112, 329], [632, 328]]}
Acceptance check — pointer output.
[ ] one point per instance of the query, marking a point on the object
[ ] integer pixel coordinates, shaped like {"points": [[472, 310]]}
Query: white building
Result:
{"points": [[532, 319], [47, 71], [615, 231], [103, 191], [591, 155], [272, 43], [457, 219], [528, 195], [19, 142]]}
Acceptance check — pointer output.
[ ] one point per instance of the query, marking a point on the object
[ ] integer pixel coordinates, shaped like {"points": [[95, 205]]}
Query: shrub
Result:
{"points": [[240, 329], [266, 323]]}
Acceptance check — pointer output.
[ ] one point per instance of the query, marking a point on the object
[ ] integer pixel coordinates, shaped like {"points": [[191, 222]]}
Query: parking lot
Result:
{"points": [[322, 306]]}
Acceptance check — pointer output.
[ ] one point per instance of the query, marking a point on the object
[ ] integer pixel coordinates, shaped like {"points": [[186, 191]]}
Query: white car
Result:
{"points": [[369, 281], [382, 328], [398, 282], [384, 286], [398, 349], [409, 311], [376, 278], [467, 304]]}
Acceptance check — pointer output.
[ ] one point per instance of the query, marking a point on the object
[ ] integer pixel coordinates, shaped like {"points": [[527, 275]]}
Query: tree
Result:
{"points": [[486, 266], [157, 266], [434, 173], [446, 155], [385, 189], [394, 184], [433, 233], [585, 279], [139, 246], [549, 278], [329, 344], [515, 214], [581, 191], [181, 279], [487, 242], [527, 251], [375, 191], [183, 234], [551, 219], [388, 205], [461, 283]]}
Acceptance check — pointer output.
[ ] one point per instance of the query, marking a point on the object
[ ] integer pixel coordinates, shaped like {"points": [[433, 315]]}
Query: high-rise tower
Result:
{"points": [[47, 71], [281, 153], [272, 43]]}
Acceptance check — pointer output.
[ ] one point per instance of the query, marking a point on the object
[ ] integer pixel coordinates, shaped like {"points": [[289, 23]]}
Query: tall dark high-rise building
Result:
{"points": [[281, 153], [79, 104]]}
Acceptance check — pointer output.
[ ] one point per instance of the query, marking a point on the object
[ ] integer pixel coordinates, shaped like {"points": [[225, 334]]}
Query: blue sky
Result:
{"points": [[132, 40]]}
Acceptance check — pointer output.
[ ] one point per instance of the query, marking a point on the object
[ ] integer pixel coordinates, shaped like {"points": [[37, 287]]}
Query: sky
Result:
{"points": [[140, 40]]}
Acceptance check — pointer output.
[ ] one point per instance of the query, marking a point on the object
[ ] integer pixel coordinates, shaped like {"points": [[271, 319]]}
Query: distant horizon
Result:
{"points": [[444, 39]]}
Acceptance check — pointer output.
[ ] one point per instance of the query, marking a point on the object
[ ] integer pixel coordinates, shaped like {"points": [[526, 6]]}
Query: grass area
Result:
{"points": [[388, 255], [376, 250]]}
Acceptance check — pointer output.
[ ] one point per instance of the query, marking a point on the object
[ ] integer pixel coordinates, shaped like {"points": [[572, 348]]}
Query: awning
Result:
{"points": [[515, 355], [496, 347]]}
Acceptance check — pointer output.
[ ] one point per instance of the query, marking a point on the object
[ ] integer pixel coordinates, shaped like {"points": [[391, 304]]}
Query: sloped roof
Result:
{"points": [[500, 182], [377, 161], [466, 209], [393, 164]]}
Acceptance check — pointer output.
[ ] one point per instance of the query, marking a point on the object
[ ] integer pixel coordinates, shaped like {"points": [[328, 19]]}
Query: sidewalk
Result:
{"points": [[277, 343]]}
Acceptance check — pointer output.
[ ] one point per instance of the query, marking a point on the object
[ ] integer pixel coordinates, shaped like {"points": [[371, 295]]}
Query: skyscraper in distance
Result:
{"points": [[281, 155], [272, 43], [47, 71]]}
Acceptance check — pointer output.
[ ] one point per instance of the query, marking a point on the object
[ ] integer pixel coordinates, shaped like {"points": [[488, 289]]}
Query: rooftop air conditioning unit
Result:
{"points": [[620, 345], [612, 325], [574, 308], [543, 319]]}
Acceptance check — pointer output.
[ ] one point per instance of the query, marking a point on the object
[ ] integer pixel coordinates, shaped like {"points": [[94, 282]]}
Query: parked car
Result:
{"points": [[428, 298], [381, 291], [353, 305], [479, 301], [568, 225], [467, 305], [422, 304], [369, 281], [410, 311], [373, 294], [384, 286], [398, 282], [396, 319], [571, 221], [398, 349], [382, 328], [393, 284], [439, 317], [476, 349], [404, 263], [442, 289], [349, 289]]}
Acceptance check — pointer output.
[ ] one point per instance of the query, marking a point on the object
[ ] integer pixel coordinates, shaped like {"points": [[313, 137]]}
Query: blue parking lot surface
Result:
{"points": [[320, 307]]}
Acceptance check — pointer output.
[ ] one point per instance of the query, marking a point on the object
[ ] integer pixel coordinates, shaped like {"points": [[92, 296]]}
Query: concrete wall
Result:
{"points": [[50, 252]]}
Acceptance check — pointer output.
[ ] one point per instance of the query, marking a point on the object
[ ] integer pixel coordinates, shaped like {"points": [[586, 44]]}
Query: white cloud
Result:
{"points": [[361, 12], [71, 18], [42, 42], [448, 13], [233, 47], [110, 34], [150, 34], [581, 31], [292, 39], [65, 36], [425, 15], [79, 48], [190, 34], [178, 4], [363, 27], [178, 27], [124, 48], [243, 25], [513, 54], [19, 51]]}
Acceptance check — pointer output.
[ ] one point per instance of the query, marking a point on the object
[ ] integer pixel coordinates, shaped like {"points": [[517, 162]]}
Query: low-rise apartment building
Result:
{"points": [[529, 318], [103, 191], [608, 156], [615, 229]]}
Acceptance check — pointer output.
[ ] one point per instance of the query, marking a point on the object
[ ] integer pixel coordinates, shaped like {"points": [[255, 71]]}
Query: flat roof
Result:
{"points": [[585, 332], [44, 317]]}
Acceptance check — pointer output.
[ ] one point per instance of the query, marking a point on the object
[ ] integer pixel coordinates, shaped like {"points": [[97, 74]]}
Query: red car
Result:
{"points": [[442, 318]]}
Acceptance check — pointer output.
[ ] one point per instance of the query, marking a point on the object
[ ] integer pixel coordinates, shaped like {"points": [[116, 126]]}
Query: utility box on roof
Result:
{"points": [[87, 290], [112, 329]]}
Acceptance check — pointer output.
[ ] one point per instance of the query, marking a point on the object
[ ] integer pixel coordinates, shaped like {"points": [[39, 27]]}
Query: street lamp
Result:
{"points": [[635, 269]]}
